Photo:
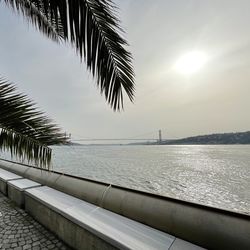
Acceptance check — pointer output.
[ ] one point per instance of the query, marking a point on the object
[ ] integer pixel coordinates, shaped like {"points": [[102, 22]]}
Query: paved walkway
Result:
{"points": [[19, 231]]}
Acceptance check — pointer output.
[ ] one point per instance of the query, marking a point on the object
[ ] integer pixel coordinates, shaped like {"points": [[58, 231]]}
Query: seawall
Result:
{"points": [[205, 226]]}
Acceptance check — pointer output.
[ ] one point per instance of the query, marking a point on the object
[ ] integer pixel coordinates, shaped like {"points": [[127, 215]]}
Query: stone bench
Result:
{"points": [[6, 176], [85, 226], [17, 187]]}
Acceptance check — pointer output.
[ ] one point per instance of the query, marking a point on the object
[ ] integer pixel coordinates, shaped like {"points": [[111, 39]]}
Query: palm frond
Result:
{"points": [[25, 131], [37, 18], [93, 29]]}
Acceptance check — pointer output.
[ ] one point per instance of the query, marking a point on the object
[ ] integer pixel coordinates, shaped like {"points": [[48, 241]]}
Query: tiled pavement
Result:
{"points": [[19, 231]]}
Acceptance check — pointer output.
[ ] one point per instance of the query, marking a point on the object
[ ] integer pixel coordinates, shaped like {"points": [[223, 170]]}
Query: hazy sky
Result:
{"points": [[214, 99]]}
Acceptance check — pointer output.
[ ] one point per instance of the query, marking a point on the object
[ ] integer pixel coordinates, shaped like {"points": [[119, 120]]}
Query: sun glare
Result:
{"points": [[191, 62]]}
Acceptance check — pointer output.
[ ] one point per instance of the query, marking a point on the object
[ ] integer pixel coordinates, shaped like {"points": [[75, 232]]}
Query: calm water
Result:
{"points": [[217, 176]]}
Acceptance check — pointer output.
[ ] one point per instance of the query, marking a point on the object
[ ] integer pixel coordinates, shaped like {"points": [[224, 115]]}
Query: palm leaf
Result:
{"points": [[25, 131], [37, 18], [93, 29]]}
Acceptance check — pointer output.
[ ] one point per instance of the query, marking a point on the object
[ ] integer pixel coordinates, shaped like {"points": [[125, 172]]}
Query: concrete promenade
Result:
{"points": [[19, 231]]}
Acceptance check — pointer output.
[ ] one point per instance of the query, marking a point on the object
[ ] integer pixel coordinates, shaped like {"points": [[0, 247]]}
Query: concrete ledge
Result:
{"points": [[66, 230], [6, 176], [16, 190], [64, 215]]}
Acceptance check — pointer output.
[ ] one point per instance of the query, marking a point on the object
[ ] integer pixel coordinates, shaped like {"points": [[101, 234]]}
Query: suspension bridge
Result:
{"points": [[135, 138]]}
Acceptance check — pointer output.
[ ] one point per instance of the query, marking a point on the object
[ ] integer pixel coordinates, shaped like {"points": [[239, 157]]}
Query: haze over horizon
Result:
{"points": [[213, 99]]}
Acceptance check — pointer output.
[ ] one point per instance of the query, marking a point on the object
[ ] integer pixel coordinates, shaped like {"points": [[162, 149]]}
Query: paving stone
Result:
{"points": [[18, 248], [19, 231], [25, 247], [36, 248]]}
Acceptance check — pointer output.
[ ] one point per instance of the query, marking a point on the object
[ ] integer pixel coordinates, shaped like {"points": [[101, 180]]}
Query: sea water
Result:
{"points": [[217, 175]]}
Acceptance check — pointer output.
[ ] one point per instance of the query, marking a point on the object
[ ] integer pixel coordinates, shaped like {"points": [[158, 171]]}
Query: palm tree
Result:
{"points": [[25, 131], [92, 27]]}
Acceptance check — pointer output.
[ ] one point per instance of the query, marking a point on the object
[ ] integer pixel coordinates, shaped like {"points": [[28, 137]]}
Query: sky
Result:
{"points": [[214, 99]]}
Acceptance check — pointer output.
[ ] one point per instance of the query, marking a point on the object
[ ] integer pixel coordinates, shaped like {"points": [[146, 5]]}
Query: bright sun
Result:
{"points": [[191, 62]]}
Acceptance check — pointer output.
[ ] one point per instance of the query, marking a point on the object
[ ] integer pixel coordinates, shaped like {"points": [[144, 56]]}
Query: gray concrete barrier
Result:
{"points": [[71, 233], [205, 226], [97, 228], [6, 176], [16, 190]]}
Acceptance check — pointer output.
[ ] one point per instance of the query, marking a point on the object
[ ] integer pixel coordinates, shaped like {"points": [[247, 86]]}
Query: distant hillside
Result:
{"points": [[226, 138]]}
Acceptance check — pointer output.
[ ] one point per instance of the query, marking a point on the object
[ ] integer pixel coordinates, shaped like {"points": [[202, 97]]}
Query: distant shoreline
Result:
{"points": [[240, 138]]}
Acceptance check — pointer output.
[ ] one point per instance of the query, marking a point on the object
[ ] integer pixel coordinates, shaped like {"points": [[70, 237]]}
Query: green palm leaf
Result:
{"points": [[93, 29], [25, 131]]}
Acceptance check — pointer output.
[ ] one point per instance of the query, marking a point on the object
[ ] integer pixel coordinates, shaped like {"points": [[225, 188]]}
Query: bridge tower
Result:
{"points": [[160, 139]]}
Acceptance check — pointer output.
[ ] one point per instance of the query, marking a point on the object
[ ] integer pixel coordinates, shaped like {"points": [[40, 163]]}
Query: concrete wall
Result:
{"points": [[74, 235], [16, 195], [208, 227], [3, 187]]}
